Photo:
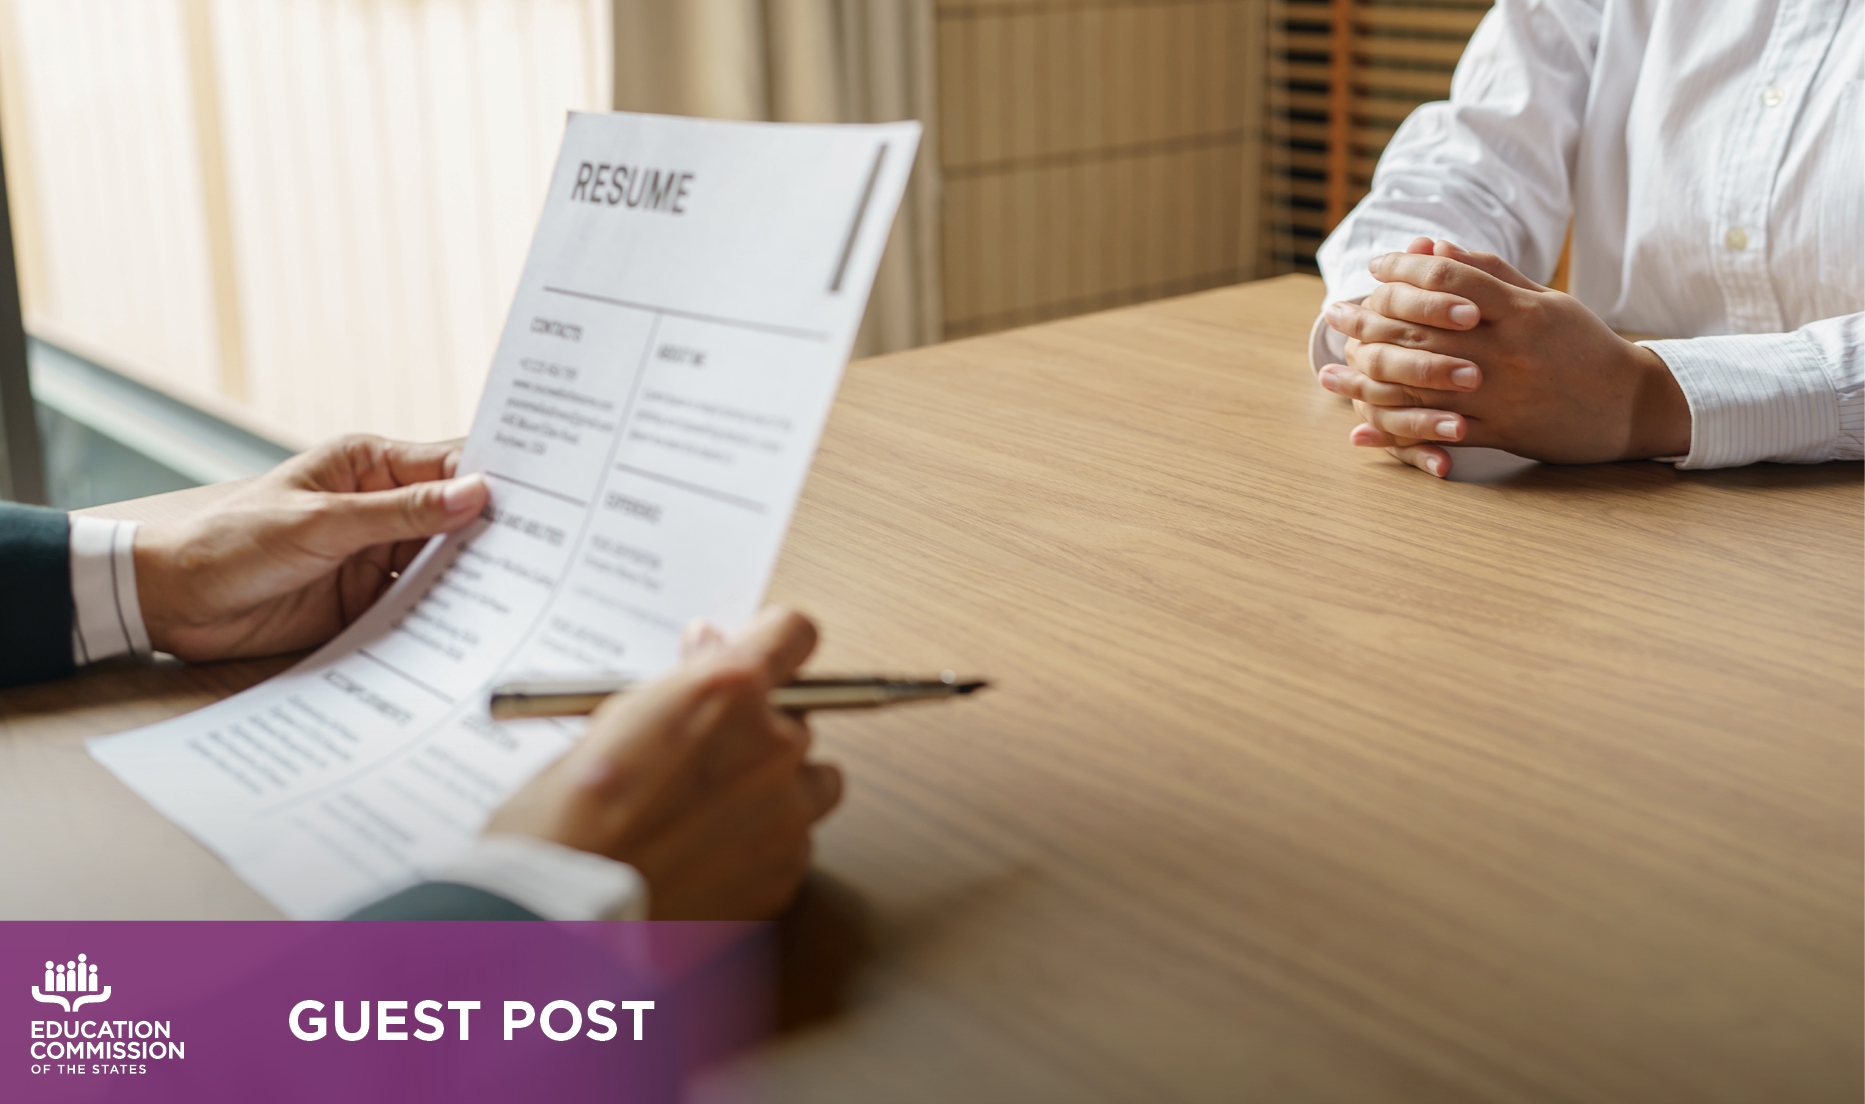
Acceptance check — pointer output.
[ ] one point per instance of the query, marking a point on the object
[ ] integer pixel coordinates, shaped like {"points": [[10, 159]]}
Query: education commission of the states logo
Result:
{"points": [[92, 1046], [78, 978]]}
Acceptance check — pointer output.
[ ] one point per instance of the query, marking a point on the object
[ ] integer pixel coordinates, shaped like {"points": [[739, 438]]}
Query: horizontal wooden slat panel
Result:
{"points": [[1458, 21], [1445, 20], [1309, 160], [1374, 108], [1308, 11], [1437, 86], [1309, 188], [1303, 188], [1367, 138], [1382, 47], [1315, 161], [1305, 217], [1400, 55]]}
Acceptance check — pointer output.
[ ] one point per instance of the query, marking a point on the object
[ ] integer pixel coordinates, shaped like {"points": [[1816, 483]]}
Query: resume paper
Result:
{"points": [[674, 346]]}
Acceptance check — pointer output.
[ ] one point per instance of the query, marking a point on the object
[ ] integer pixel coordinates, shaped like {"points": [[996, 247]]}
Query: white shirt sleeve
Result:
{"points": [[106, 615], [1794, 398], [1490, 168], [551, 880]]}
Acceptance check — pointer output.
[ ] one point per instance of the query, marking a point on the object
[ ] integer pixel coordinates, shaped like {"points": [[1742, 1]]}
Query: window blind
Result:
{"points": [[1343, 74]]}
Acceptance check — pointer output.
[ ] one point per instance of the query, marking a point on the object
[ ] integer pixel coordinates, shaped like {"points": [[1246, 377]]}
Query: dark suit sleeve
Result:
{"points": [[35, 597], [443, 901]]}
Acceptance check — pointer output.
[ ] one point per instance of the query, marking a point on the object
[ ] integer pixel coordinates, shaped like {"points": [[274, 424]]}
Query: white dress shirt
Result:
{"points": [[549, 879], [1711, 154]]}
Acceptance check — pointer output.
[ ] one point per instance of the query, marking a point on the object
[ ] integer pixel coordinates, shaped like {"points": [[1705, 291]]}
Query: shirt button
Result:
{"points": [[1773, 95], [1736, 239]]}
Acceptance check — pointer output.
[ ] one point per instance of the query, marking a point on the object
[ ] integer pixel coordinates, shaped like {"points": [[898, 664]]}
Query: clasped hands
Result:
{"points": [[1458, 347]]}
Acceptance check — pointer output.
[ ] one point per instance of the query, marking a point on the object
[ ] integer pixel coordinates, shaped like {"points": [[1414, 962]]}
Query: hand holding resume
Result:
{"points": [[674, 345]]}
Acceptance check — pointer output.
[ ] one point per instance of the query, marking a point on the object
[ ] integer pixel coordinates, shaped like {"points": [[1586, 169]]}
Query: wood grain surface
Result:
{"points": [[1306, 777]]}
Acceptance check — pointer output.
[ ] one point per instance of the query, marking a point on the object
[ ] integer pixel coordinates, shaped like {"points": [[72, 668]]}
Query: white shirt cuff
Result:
{"points": [[551, 880], [106, 616], [1753, 397]]}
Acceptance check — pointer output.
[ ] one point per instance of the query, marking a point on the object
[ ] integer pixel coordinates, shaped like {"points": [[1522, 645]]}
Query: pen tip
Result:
{"points": [[968, 687]]}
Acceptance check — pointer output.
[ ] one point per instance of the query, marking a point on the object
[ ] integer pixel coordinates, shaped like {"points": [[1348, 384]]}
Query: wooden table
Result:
{"points": [[1307, 777]]}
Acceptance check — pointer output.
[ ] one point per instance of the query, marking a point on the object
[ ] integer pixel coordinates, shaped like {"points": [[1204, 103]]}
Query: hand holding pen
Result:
{"points": [[576, 697], [694, 781]]}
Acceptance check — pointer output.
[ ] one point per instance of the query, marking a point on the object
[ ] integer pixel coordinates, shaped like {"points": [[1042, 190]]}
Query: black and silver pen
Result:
{"points": [[574, 698]]}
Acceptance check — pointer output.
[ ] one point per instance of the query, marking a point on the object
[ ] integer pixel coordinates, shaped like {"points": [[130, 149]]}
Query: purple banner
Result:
{"points": [[283, 1012]]}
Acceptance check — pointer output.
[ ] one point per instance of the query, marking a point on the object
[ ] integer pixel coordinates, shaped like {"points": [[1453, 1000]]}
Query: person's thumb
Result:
{"points": [[1487, 262], [699, 639], [778, 639], [357, 521]]}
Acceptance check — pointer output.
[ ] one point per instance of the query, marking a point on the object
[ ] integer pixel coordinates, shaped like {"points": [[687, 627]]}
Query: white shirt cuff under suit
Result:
{"points": [[551, 880], [106, 618]]}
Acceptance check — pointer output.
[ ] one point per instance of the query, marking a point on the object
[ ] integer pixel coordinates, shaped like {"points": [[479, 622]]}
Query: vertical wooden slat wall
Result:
{"points": [[1322, 136], [1095, 153]]}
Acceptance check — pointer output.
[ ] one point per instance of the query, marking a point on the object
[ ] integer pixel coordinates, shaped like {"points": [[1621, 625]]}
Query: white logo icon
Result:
{"points": [[72, 977]]}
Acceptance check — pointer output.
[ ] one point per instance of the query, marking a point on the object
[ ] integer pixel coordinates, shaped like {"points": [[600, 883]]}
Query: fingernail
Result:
{"points": [[1359, 434], [1434, 465], [698, 638], [1466, 315], [1332, 313], [1466, 378], [1448, 429], [462, 493], [1327, 379]]}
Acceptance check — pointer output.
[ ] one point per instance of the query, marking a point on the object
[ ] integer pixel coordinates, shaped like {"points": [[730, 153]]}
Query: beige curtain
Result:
{"points": [[279, 254], [805, 61]]}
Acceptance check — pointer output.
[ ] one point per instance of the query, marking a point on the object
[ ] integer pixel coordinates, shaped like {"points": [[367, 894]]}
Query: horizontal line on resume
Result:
{"points": [[538, 489], [751, 504], [743, 324]]}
